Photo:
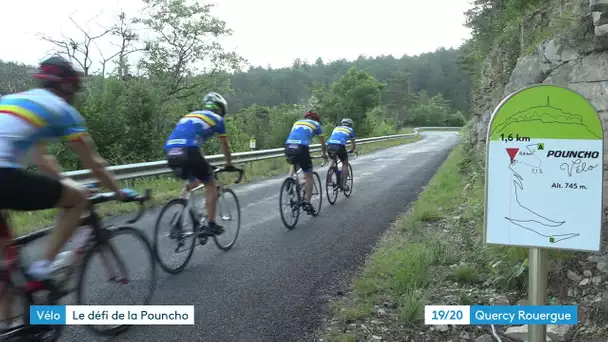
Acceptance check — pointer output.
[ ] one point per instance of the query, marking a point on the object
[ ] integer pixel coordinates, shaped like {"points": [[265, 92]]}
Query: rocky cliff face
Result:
{"points": [[574, 55]]}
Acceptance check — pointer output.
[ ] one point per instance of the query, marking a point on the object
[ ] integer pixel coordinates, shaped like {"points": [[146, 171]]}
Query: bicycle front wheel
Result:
{"points": [[289, 203], [112, 255], [349, 181], [228, 212], [176, 236], [317, 193]]}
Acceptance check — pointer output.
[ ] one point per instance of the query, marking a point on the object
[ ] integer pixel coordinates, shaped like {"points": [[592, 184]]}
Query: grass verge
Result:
{"points": [[401, 270], [432, 255], [167, 187]]}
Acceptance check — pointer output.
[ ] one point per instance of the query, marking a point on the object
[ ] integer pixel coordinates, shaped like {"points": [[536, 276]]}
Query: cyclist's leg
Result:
{"points": [[291, 153], [24, 190], [332, 154], [305, 163], [343, 155], [200, 168]]}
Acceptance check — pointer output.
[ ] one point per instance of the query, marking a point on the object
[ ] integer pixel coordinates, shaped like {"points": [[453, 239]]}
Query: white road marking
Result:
{"points": [[380, 167], [262, 200]]}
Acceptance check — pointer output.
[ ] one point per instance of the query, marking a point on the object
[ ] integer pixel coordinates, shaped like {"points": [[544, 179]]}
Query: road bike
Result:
{"points": [[333, 181], [94, 239], [185, 208], [292, 194]]}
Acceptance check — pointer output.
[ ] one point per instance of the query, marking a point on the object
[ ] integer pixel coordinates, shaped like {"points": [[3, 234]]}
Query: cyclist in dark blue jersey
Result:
{"points": [[184, 156], [297, 148], [336, 146]]}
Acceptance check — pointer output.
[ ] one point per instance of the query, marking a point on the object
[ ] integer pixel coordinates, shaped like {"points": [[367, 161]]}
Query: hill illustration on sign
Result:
{"points": [[545, 121], [544, 174]]}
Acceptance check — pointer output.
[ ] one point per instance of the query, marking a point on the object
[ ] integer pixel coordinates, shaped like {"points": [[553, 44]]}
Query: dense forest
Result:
{"points": [[131, 106]]}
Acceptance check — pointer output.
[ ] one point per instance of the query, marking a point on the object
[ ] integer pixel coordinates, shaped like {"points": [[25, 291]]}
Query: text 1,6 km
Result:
{"points": [[569, 186], [511, 137]]}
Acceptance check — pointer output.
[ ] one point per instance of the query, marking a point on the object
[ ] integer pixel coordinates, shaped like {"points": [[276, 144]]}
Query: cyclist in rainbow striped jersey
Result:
{"points": [[28, 121]]}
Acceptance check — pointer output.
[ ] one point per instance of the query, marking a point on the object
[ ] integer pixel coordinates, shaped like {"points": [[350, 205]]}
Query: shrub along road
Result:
{"points": [[273, 284]]}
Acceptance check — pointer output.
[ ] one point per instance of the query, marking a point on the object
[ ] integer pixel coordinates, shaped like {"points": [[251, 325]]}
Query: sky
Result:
{"points": [[266, 32]]}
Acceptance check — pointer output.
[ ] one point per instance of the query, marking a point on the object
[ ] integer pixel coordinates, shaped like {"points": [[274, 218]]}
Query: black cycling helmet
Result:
{"points": [[56, 70], [214, 101]]}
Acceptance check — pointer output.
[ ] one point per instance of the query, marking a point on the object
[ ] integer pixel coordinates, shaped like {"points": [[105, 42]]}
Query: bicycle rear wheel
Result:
{"points": [[181, 235], [330, 186], [317, 192], [349, 181], [222, 206], [24, 331], [290, 198], [117, 271]]}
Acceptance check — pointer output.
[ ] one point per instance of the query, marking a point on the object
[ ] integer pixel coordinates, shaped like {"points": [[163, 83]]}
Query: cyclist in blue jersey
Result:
{"points": [[184, 156], [28, 121], [297, 148], [336, 146]]}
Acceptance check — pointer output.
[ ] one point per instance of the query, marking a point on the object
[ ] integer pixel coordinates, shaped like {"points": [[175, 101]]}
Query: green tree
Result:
{"points": [[357, 92], [187, 38]]}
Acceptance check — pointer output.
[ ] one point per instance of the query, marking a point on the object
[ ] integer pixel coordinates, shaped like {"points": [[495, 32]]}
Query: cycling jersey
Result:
{"points": [[194, 126], [303, 131], [32, 117], [340, 135]]}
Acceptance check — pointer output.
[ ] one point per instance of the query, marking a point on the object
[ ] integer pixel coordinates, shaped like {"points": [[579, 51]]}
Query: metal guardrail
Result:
{"points": [[131, 171], [155, 168]]}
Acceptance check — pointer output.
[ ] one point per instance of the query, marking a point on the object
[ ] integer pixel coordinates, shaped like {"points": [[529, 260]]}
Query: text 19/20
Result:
{"points": [[447, 314]]}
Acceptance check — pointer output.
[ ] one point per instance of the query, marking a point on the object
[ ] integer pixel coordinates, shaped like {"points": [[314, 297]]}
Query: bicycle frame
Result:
{"points": [[338, 161], [187, 192], [97, 237]]}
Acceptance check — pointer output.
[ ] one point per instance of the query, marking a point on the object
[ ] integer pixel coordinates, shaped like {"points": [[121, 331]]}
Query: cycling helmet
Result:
{"points": [[214, 101], [311, 114], [346, 122], [57, 70]]}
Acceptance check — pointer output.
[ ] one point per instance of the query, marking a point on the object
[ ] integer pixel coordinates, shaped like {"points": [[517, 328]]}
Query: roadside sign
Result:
{"points": [[544, 171], [252, 144]]}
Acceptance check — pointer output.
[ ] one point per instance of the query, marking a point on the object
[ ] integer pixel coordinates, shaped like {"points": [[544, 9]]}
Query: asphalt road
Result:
{"points": [[274, 284]]}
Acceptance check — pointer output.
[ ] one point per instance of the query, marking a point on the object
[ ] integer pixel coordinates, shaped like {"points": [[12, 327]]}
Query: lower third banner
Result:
{"points": [[500, 314], [112, 314]]}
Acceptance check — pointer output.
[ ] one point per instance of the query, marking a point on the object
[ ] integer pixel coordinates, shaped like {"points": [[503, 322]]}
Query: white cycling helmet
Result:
{"points": [[214, 101], [346, 122]]}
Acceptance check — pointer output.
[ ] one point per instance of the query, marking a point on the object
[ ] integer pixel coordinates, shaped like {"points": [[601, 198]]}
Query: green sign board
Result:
{"points": [[544, 171]]}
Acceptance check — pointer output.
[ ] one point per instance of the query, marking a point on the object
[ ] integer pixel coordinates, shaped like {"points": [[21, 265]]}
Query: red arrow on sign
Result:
{"points": [[512, 153]]}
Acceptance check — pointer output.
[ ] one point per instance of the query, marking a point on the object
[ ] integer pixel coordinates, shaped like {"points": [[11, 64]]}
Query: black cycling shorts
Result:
{"points": [[334, 150], [300, 155], [188, 162], [28, 190]]}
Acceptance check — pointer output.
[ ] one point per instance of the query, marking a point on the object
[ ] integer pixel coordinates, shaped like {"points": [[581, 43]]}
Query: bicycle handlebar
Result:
{"points": [[221, 169], [130, 196]]}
